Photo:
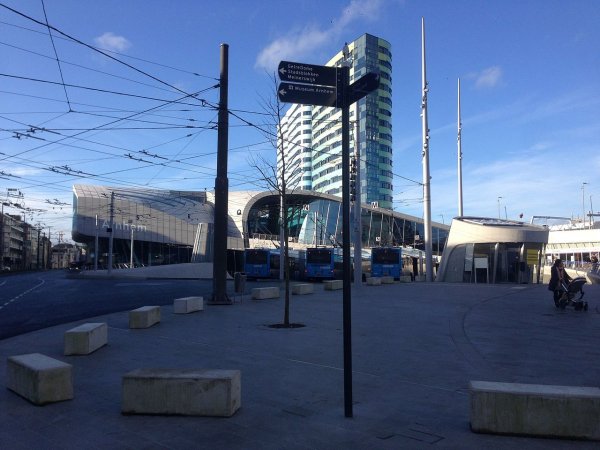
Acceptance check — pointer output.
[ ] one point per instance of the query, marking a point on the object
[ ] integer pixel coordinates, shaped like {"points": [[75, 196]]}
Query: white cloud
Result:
{"points": [[488, 78], [110, 41], [300, 43]]}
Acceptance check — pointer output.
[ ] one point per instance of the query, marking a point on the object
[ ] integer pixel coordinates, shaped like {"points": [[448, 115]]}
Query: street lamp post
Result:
{"points": [[499, 207], [131, 228], [583, 201]]}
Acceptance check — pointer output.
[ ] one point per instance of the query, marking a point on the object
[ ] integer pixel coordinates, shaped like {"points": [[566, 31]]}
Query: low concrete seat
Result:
{"points": [[373, 281], [387, 280], [86, 338], [188, 305], [265, 292], [303, 288], [39, 378], [405, 279], [535, 410], [188, 392], [333, 285], [144, 317]]}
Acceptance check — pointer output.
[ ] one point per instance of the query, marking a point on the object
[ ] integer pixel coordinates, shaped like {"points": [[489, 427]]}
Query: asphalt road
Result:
{"points": [[32, 301]]}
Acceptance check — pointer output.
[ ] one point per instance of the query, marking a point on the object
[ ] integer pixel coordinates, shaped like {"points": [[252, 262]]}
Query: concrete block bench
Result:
{"points": [[535, 410], [333, 285], [373, 281], [188, 392], [303, 288], [86, 338], [265, 292], [405, 279], [39, 378], [144, 317], [187, 305], [387, 280]]}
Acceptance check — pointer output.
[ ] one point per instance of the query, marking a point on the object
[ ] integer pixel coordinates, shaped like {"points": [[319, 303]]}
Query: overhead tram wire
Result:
{"points": [[123, 55], [99, 127], [62, 78], [41, 55], [204, 102], [164, 164], [74, 39], [107, 108]]}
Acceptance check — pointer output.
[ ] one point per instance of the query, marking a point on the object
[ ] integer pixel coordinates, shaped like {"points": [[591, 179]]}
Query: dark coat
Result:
{"points": [[554, 278]]}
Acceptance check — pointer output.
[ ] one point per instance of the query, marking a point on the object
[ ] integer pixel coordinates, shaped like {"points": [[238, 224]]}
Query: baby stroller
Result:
{"points": [[570, 290]]}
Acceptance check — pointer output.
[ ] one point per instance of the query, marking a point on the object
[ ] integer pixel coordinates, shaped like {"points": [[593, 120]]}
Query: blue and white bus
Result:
{"points": [[264, 263], [260, 262], [386, 262], [320, 263]]}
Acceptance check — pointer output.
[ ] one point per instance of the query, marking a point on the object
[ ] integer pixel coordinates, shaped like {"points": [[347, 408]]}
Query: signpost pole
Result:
{"points": [[330, 86], [343, 82]]}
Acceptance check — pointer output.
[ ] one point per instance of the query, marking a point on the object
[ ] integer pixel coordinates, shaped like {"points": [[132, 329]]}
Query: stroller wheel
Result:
{"points": [[563, 303]]}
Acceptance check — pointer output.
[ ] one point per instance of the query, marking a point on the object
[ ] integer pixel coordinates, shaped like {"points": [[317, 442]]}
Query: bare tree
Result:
{"points": [[275, 177]]}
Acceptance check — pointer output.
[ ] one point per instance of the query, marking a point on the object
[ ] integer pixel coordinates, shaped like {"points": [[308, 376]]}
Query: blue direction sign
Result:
{"points": [[307, 73], [307, 94]]}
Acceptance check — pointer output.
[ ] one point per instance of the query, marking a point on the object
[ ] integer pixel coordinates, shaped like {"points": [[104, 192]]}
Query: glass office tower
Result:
{"points": [[312, 134]]}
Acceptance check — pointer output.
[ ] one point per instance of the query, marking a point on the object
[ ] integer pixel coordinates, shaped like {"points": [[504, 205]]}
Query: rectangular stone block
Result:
{"points": [[187, 305], [535, 410], [420, 278], [188, 392], [333, 285], [144, 317], [265, 292], [405, 279], [387, 280], [86, 338], [373, 281], [302, 289], [39, 378]]}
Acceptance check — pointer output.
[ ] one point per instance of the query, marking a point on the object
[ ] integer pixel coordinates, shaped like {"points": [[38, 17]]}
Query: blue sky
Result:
{"points": [[530, 85]]}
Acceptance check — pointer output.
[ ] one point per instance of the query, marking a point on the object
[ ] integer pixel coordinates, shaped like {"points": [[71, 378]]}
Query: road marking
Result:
{"points": [[8, 302]]}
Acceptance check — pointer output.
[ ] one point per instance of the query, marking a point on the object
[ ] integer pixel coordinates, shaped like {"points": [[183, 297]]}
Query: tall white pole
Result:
{"points": [[425, 156], [460, 191]]}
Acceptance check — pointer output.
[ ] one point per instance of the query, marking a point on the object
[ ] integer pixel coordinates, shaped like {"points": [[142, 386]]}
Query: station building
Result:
{"points": [[153, 227], [486, 250]]}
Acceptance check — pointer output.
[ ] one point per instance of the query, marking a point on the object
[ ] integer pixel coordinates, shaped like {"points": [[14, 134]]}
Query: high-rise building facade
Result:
{"points": [[312, 135]]}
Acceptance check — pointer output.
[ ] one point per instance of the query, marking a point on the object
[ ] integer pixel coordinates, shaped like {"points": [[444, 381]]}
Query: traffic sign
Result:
{"points": [[307, 94], [363, 87], [307, 73]]}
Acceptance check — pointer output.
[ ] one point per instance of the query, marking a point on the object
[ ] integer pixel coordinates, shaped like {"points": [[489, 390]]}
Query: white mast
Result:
{"points": [[460, 191], [425, 156]]}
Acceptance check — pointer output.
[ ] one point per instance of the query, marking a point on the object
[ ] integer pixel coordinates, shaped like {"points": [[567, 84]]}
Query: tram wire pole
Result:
{"points": [[219, 296]]}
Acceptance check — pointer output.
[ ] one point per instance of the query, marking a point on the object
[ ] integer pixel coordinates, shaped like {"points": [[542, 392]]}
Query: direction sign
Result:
{"points": [[307, 73], [307, 94], [363, 87]]}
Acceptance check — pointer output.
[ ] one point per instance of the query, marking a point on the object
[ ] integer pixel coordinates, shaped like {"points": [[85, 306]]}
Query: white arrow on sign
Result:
{"points": [[282, 70], [282, 92]]}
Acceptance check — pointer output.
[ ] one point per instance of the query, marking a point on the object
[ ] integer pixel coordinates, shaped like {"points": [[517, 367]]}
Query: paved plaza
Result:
{"points": [[416, 346]]}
